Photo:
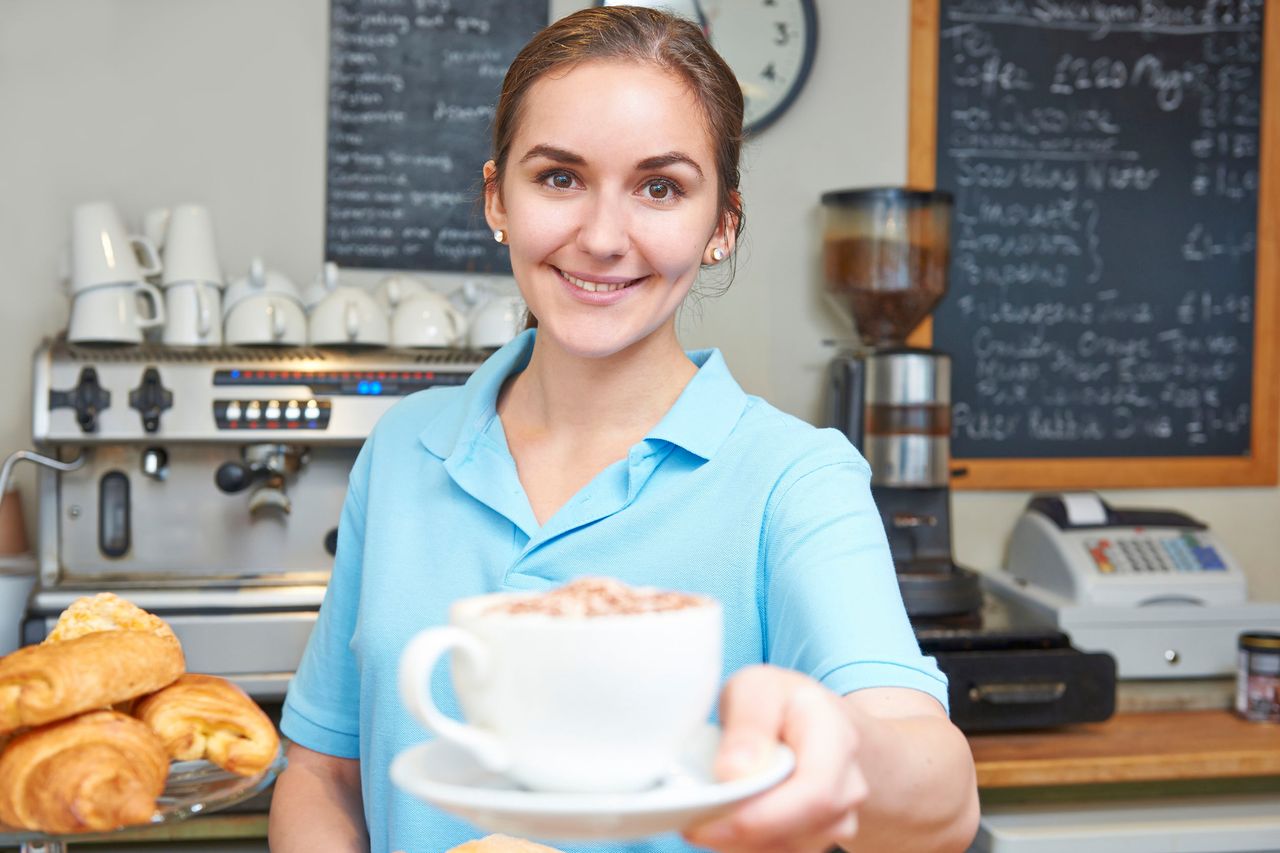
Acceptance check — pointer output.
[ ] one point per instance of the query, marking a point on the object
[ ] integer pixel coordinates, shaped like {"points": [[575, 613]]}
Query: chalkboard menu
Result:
{"points": [[412, 90], [1105, 159]]}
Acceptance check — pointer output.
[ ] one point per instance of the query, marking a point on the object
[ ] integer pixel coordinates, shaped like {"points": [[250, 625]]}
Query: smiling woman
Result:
{"points": [[594, 444]]}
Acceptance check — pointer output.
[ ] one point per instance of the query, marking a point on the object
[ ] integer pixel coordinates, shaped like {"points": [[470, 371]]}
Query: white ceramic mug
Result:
{"points": [[110, 315], [193, 314], [495, 321], [577, 704], [426, 320], [189, 250], [348, 316], [103, 252], [265, 319]]}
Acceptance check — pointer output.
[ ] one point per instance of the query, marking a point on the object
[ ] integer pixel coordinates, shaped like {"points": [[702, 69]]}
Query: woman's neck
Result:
{"points": [[622, 396]]}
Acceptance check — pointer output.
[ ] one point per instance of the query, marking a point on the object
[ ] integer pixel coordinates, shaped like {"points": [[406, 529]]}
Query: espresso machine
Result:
{"points": [[206, 484], [885, 261]]}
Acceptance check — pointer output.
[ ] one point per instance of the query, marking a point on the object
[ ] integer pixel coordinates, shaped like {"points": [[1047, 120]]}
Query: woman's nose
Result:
{"points": [[604, 230]]}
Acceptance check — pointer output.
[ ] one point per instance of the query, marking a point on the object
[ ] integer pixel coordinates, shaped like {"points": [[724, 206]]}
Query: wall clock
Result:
{"points": [[769, 44]]}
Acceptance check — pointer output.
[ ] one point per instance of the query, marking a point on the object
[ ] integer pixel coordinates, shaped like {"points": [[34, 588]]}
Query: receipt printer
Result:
{"points": [[1153, 588]]}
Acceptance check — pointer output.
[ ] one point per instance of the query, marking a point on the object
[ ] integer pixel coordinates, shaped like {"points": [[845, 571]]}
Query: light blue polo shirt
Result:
{"points": [[726, 496]]}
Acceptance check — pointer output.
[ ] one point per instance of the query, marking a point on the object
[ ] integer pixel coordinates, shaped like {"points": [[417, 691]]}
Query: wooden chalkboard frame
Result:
{"points": [[1259, 467]]}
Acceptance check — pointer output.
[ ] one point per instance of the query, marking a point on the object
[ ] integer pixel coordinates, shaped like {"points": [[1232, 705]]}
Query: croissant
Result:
{"points": [[105, 611], [203, 716], [40, 684], [98, 771], [502, 844]]}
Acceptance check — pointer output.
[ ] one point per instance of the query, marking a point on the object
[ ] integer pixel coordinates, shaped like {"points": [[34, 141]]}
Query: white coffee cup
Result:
{"points": [[103, 252], [189, 250], [396, 289], [348, 316], [259, 281], [576, 704], [495, 321], [194, 314], [426, 320], [265, 319], [109, 314]]}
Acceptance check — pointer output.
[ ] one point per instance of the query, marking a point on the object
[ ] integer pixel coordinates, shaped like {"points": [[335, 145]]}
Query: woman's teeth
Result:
{"points": [[594, 286]]}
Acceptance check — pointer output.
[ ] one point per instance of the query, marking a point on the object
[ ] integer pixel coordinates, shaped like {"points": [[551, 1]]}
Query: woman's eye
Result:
{"points": [[661, 190], [557, 180]]}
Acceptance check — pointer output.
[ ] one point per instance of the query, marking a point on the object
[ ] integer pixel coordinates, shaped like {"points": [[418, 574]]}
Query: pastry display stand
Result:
{"points": [[194, 788]]}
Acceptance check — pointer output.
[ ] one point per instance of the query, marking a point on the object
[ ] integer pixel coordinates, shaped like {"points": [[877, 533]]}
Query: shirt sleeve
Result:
{"points": [[833, 609], [322, 708]]}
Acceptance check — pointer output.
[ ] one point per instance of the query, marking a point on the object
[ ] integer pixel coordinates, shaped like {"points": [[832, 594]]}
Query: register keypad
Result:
{"points": [[1149, 554]]}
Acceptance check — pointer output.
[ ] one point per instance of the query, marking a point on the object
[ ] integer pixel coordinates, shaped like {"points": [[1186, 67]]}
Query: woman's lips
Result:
{"points": [[598, 290]]}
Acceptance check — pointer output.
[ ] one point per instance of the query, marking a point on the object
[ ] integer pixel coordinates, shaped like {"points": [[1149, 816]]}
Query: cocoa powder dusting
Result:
{"points": [[598, 597]]}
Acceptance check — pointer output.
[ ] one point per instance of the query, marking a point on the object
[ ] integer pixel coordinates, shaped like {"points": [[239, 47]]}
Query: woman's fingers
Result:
{"points": [[817, 804]]}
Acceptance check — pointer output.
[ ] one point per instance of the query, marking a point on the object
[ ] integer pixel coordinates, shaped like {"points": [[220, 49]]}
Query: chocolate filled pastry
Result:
{"points": [[44, 683], [502, 844], [94, 772], [203, 716]]}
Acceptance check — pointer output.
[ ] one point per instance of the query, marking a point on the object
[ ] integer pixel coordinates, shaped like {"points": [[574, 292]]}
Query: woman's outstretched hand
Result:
{"points": [[816, 808]]}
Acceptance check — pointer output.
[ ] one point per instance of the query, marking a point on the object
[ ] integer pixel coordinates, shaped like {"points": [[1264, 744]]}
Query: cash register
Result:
{"points": [[1156, 589]]}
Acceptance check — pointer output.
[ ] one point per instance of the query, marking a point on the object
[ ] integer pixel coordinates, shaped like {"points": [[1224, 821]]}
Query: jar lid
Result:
{"points": [[1260, 640]]}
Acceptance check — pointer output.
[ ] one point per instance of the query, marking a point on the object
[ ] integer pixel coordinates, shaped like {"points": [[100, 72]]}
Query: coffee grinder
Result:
{"points": [[885, 256]]}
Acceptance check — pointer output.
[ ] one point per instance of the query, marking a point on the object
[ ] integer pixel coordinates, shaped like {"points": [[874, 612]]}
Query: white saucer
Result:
{"points": [[450, 779]]}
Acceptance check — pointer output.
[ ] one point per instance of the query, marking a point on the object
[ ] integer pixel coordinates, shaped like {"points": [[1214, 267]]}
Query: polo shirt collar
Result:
{"points": [[706, 411], [700, 421]]}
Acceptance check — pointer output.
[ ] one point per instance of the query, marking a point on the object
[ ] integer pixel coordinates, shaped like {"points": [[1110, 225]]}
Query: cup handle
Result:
{"points": [[156, 298], [458, 323], [416, 665], [203, 309], [352, 315], [148, 257], [277, 320]]}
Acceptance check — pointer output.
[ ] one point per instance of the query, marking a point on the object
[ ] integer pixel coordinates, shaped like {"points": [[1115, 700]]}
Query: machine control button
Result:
{"points": [[312, 411], [291, 411], [234, 411], [88, 399], [253, 411], [151, 398], [272, 412]]}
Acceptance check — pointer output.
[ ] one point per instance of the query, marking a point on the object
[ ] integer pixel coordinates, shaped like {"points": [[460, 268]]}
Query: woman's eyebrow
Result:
{"points": [[551, 152], [670, 158]]}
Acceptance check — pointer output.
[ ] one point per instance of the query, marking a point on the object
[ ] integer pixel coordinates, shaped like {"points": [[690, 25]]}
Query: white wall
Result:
{"points": [[148, 102]]}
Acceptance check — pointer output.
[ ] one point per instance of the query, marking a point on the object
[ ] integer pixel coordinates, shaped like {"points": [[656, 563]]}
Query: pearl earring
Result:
{"points": [[500, 235], [717, 254]]}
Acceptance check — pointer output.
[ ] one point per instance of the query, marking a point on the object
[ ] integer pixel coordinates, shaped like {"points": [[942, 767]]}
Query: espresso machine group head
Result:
{"points": [[885, 257]]}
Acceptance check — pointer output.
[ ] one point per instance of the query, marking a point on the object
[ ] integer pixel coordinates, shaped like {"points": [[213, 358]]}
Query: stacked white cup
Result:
{"points": [[420, 317], [192, 279], [108, 271], [263, 309], [343, 315]]}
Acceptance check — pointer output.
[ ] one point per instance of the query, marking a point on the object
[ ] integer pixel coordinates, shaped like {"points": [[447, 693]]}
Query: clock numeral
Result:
{"points": [[771, 2], [769, 72], [783, 35]]}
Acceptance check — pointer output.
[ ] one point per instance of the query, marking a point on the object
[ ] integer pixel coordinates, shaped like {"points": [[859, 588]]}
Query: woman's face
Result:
{"points": [[609, 201]]}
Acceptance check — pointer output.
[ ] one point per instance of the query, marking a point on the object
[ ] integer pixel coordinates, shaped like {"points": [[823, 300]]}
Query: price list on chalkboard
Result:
{"points": [[1104, 157], [412, 90]]}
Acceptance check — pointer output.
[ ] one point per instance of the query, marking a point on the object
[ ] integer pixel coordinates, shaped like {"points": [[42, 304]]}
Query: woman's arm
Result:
{"points": [[880, 769], [922, 791], [317, 805]]}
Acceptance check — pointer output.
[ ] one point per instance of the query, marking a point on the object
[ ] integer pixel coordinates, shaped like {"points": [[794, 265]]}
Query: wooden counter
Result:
{"points": [[1148, 747]]}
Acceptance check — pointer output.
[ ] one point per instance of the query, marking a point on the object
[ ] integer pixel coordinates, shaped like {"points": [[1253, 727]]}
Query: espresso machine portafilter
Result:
{"points": [[885, 256]]}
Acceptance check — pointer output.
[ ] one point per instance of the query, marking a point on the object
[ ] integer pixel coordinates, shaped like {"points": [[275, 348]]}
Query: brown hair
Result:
{"points": [[640, 35]]}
